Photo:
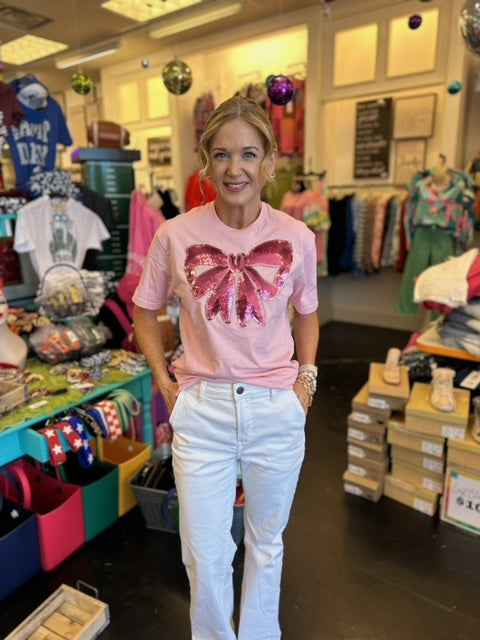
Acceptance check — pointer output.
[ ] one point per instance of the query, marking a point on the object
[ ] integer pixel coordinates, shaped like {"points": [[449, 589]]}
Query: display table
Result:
{"points": [[17, 434], [431, 342]]}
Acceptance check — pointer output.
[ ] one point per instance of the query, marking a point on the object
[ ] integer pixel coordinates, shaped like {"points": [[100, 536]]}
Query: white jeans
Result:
{"points": [[215, 427]]}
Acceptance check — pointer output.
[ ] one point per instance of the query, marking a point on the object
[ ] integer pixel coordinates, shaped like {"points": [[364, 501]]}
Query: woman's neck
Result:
{"points": [[237, 218]]}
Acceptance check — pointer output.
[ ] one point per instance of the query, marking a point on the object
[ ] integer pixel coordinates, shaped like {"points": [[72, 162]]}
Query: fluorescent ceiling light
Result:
{"points": [[144, 10], [29, 48], [87, 55], [199, 15]]}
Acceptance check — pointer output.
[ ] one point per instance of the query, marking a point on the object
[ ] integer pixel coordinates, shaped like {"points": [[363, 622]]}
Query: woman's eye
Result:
{"points": [[220, 155], [250, 154]]}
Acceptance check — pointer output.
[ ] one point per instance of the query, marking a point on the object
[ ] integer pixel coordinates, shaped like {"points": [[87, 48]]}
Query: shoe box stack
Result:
{"points": [[460, 504], [372, 407], [418, 447]]}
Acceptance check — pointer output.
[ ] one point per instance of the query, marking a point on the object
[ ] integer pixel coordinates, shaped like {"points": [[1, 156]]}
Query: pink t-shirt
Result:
{"points": [[234, 286]]}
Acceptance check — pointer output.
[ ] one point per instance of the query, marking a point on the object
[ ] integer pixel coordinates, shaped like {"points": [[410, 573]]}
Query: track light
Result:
{"points": [[88, 54]]}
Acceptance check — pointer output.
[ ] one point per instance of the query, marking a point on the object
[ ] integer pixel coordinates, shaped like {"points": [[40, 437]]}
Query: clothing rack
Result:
{"points": [[369, 185], [311, 174]]}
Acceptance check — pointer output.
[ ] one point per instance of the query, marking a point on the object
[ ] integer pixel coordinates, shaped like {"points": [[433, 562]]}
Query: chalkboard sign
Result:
{"points": [[372, 138]]}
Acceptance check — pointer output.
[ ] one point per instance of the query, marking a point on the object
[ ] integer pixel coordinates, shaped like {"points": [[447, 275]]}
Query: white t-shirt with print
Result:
{"points": [[53, 234]]}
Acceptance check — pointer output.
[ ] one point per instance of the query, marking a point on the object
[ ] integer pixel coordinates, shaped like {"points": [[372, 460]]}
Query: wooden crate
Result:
{"points": [[68, 614], [12, 395]]}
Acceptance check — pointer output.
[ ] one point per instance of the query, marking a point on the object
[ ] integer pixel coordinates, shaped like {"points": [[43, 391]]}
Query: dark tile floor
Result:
{"points": [[353, 570]]}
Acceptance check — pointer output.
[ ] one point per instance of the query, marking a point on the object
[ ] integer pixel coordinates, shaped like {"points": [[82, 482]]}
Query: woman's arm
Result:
{"points": [[306, 334], [149, 339]]}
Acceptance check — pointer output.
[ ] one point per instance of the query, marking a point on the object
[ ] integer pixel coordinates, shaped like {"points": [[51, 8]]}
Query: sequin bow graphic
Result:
{"points": [[234, 277]]}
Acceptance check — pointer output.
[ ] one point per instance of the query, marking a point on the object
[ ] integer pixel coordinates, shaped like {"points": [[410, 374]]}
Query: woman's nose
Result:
{"points": [[234, 167]]}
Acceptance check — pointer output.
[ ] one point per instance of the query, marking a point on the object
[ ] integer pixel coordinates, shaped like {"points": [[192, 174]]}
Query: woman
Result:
{"points": [[239, 399]]}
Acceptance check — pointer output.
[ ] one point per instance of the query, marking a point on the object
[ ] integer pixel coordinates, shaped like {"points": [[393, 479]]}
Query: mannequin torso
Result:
{"points": [[13, 350]]}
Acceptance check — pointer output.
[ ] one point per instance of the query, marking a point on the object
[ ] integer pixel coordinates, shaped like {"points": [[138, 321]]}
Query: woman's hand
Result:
{"points": [[169, 393], [302, 396]]}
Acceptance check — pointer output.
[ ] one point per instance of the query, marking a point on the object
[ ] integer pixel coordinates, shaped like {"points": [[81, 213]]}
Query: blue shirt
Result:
{"points": [[33, 143]]}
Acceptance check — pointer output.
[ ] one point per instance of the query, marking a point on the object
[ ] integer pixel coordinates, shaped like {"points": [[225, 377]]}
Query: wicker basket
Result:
{"points": [[159, 507], [62, 293]]}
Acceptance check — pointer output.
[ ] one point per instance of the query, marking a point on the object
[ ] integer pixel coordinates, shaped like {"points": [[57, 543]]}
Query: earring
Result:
{"points": [[272, 175]]}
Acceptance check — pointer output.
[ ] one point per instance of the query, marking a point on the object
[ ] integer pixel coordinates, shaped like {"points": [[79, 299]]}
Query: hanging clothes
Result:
{"points": [[103, 207], [198, 192], [448, 207], [440, 219], [168, 208], [288, 121], [284, 179], [366, 231], [57, 230], [473, 169], [33, 142], [204, 106], [10, 269], [144, 222], [11, 112], [311, 206]]}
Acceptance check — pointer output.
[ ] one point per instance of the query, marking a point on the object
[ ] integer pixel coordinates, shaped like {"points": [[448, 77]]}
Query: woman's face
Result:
{"points": [[236, 156]]}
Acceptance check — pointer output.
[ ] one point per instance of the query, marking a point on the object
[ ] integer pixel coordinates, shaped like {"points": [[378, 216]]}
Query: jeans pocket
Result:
{"points": [[175, 410], [298, 403]]}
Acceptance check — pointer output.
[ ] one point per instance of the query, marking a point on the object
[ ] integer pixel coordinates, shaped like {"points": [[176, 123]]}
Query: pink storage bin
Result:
{"points": [[59, 506]]}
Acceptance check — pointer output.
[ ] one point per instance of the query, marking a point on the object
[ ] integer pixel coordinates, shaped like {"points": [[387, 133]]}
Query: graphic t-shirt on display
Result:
{"points": [[54, 233], [33, 142]]}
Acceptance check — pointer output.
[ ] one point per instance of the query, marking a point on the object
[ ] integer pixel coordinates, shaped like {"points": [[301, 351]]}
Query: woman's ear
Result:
{"points": [[273, 161]]}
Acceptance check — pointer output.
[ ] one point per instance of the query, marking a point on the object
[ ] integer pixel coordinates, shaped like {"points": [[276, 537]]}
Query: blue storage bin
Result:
{"points": [[19, 546]]}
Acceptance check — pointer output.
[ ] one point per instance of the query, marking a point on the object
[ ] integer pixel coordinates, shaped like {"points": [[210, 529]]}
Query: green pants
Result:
{"points": [[430, 245]]}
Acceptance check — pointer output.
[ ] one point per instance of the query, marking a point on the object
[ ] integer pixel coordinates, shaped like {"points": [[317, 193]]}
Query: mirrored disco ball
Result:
{"points": [[280, 89], [177, 77], [469, 23], [81, 83]]}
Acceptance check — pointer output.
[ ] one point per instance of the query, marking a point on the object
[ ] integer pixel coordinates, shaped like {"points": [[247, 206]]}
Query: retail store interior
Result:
{"points": [[374, 105]]}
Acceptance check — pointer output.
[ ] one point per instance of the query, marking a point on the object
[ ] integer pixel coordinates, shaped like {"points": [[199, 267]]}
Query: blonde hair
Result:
{"points": [[251, 113]]}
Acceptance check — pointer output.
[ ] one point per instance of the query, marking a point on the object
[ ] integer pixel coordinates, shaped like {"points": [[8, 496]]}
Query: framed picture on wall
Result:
{"points": [[414, 117], [409, 159]]}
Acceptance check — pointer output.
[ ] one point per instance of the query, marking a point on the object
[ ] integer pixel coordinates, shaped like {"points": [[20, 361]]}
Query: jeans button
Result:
{"points": [[240, 390]]}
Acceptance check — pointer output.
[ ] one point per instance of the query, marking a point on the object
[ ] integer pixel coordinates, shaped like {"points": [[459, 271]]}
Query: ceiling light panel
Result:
{"points": [[29, 48], [204, 13], [144, 10]]}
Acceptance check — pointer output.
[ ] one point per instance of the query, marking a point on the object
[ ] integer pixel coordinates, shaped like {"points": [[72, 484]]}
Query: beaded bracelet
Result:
{"points": [[309, 382], [308, 367]]}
